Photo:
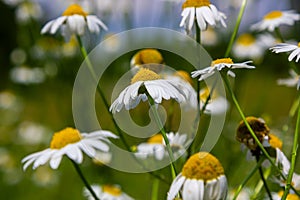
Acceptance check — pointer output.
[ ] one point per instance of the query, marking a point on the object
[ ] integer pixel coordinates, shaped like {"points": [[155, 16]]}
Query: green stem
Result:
{"points": [[247, 124], [155, 187], [87, 185], [263, 179], [260, 185], [279, 35], [293, 159], [164, 134], [91, 69], [236, 28], [236, 194]]}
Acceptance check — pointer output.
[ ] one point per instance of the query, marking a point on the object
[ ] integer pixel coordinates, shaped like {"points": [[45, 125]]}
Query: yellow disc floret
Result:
{"points": [[74, 9], [273, 15], [259, 127], [298, 44], [150, 56], [246, 39], [204, 94], [112, 190], [289, 196], [155, 139], [145, 75], [184, 75], [274, 141], [221, 60], [202, 166], [195, 3], [65, 137]]}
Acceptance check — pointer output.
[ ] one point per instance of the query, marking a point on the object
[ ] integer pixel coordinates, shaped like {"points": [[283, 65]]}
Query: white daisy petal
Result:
{"points": [[175, 187]]}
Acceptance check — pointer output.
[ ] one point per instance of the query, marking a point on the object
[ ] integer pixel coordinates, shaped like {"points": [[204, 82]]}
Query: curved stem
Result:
{"points": [[164, 134], [261, 173], [236, 28], [293, 159], [87, 185], [91, 69], [236, 194]]}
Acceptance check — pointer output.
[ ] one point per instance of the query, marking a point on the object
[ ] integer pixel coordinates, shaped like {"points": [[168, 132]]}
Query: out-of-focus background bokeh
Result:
{"points": [[37, 73]]}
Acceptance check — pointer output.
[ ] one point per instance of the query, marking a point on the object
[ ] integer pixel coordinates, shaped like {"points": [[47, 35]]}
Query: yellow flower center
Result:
{"points": [[184, 75], [74, 9], [155, 139], [298, 44], [65, 137], [195, 3], [150, 56], [222, 60], [290, 196], [273, 15], [145, 75], [204, 94], [258, 126], [246, 39], [274, 141], [112, 190], [202, 166]]}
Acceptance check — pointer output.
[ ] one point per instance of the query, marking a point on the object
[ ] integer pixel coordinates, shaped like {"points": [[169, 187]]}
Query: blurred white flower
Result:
{"points": [[31, 133], [27, 11], [292, 81], [276, 18], [107, 192], [25, 75]]}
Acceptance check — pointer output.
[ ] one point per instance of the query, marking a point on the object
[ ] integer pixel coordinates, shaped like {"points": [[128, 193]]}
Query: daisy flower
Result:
{"points": [[107, 192], [202, 177], [147, 82], [204, 12], [147, 58], [72, 143], [284, 47], [218, 65], [155, 145], [216, 104], [292, 81], [184, 82], [278, 196], [276, 18], [247, 46], [74, 20]]}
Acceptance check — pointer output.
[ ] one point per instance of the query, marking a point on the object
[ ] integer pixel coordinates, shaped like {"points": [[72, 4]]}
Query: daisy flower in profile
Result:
{"points": [[278, 196], [155, 146], [146, 83], [202, 178], [204, 12], [215, 105], [218, 65], [72, 143], [147, 58], [292, 81], [107, 192], [284, 47], [74, 20], [276, 18]]}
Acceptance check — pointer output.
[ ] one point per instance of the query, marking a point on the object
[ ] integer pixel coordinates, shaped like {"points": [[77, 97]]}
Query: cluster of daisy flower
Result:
{"points": [[202, 176]]}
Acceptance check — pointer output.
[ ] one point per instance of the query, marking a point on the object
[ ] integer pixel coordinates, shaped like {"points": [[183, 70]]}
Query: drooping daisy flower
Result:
{"points": [[184, 82], [260, 129], [278, 196], [276, 18], [202, 178], [74, 21], [215, 105], [147, 58], [218, 65], [204, 12], [72, 143], [293, 81], [155, 146], [107, 192], [284, 47], [147, 82]]}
